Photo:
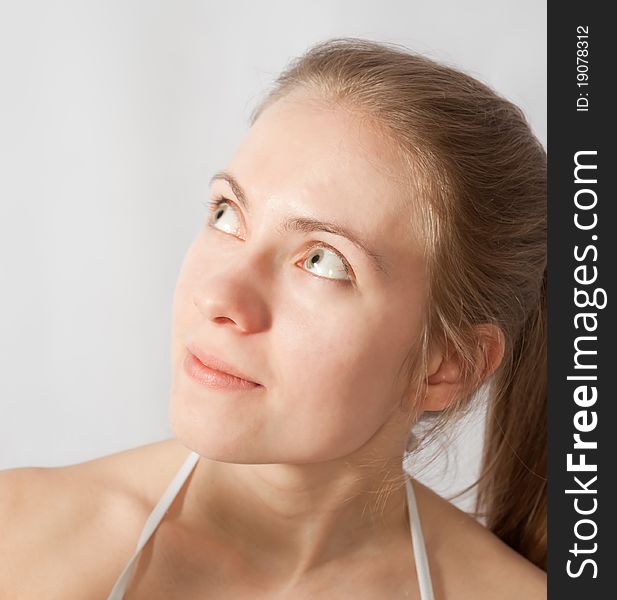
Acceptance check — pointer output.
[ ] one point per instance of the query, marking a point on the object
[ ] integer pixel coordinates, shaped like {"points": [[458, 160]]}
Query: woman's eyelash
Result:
{"points": [[214, 203]]}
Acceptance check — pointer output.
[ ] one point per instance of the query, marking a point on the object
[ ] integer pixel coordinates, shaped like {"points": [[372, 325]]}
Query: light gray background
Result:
{"points": [[113, 115]]}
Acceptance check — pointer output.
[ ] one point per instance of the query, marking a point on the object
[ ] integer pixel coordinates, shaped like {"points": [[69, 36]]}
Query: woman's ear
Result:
{"points": [[445, 368], [443, 382]]}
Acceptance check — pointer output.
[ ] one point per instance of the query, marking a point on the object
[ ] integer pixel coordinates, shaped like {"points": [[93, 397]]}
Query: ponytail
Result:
{"points": [[512, 490]]}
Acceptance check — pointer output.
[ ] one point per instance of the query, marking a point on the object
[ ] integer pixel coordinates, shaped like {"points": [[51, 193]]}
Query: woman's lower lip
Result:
{"points": [[196, 370]]}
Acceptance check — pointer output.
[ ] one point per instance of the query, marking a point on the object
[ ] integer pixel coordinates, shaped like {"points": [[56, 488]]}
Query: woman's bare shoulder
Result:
{"points": [[75, 525], [471, 561]]}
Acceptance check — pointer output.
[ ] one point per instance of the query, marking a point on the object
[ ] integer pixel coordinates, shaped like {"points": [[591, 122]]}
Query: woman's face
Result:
{"points": [[305, 312]]}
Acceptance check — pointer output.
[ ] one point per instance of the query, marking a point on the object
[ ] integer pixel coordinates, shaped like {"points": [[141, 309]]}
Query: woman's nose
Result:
{"points": [[233, 296]]}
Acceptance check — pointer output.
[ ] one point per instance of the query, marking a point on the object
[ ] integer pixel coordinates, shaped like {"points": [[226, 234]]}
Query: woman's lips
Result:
{"points": [[213, 378]]}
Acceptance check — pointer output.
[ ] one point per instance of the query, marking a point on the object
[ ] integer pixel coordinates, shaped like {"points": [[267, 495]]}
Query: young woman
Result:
{"points": [[372, 254]]}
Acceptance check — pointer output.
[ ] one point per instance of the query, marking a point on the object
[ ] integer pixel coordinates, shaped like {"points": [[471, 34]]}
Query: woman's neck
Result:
{"points": [[297, 516]]}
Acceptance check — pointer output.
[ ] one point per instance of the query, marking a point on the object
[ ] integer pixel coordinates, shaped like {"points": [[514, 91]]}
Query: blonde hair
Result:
{"points": [[476, 177]]}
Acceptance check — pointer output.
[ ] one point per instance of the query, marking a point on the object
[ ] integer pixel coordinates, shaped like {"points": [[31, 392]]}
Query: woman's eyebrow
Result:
{"points": [[307, 224]]}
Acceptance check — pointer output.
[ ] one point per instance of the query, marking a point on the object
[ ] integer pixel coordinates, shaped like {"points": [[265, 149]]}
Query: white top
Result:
{"points": [[158, 512]]}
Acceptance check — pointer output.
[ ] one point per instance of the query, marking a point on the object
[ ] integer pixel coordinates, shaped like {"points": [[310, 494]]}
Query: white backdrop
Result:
{"points": [[113, 115]]}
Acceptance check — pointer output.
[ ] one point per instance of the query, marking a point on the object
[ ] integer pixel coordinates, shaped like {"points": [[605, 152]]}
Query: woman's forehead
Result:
{"points": [[322, 159]]}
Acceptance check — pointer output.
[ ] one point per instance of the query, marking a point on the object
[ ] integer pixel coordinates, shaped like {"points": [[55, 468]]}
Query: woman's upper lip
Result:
{"points": [[216, 363]]}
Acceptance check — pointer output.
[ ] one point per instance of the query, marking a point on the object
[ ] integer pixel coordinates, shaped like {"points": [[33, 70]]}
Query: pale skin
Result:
{"points": [[286, 499]]}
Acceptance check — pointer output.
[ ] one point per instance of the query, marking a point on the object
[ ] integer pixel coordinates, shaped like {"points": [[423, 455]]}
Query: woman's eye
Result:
{"points": [[327, 263], [221, 216], [322, 261]]}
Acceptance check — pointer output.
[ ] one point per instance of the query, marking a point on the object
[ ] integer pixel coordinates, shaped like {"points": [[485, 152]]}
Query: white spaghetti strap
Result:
{"points": [[117, 593], [419, 549]]}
